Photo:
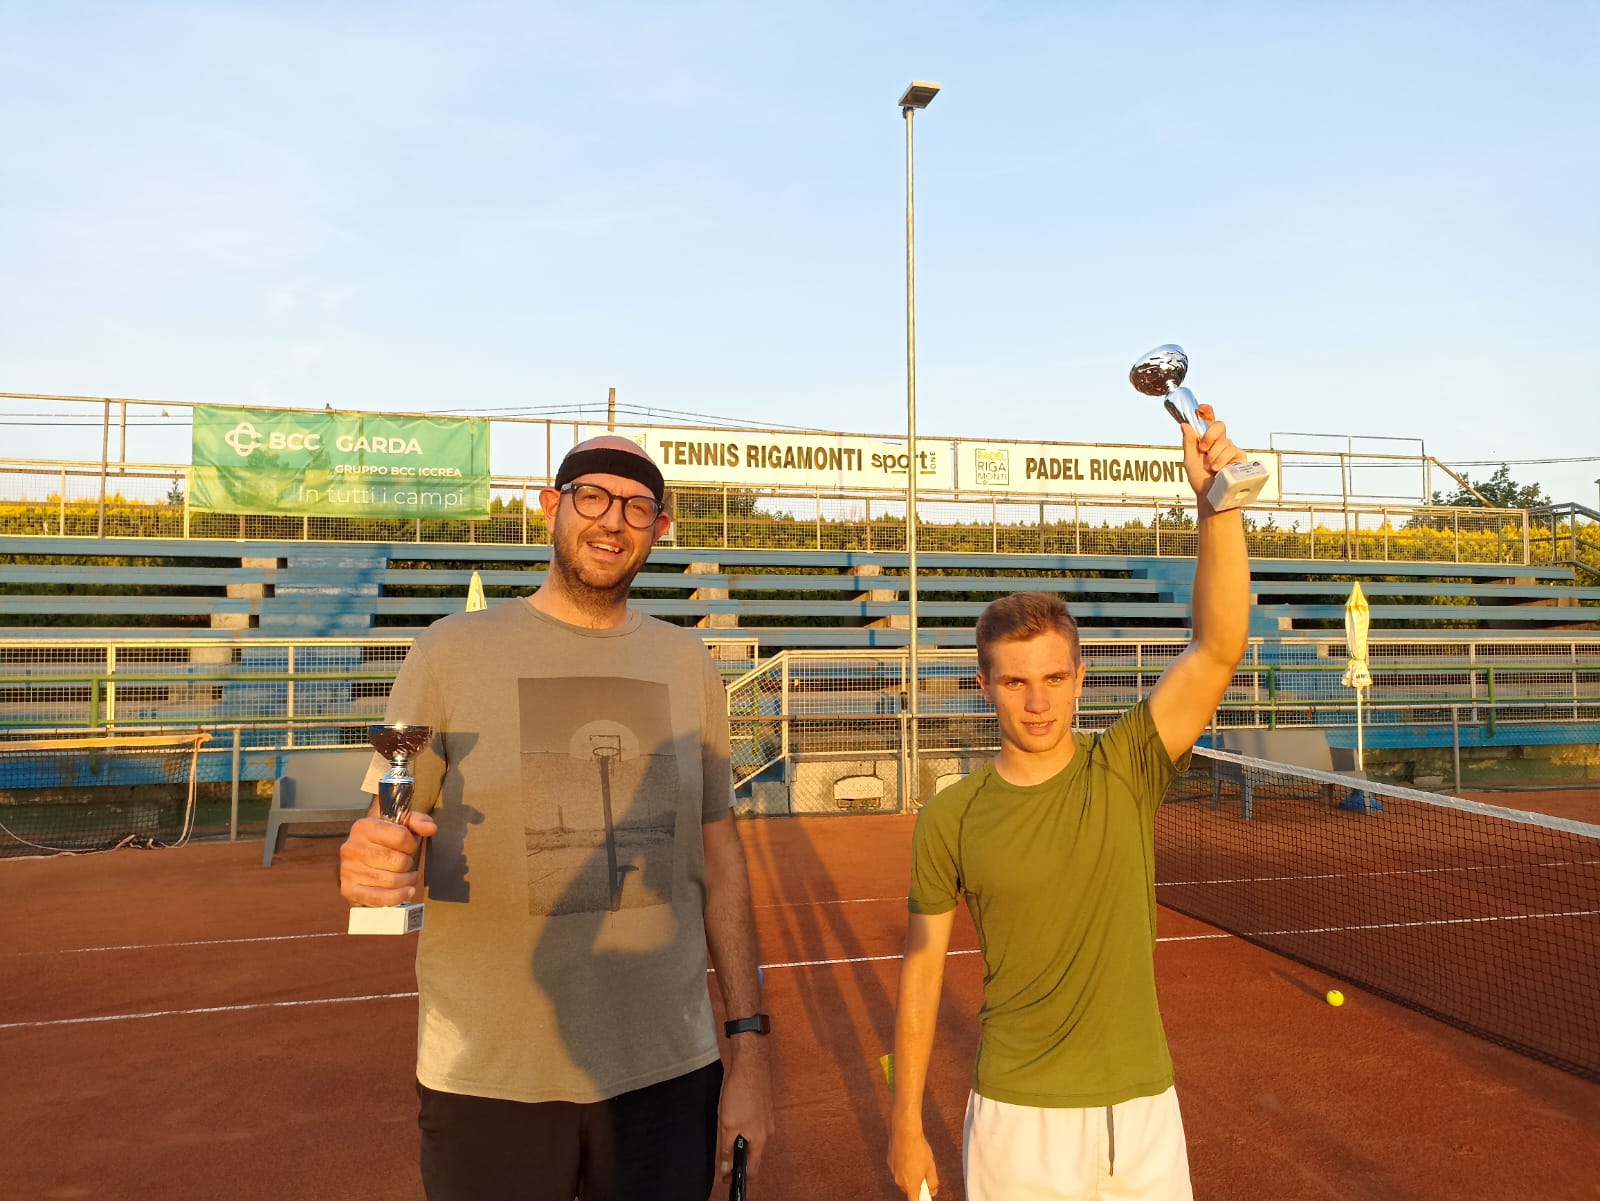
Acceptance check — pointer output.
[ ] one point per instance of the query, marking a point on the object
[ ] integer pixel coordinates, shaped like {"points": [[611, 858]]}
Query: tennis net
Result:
{"points": [[97, 792], [1484, 917]]}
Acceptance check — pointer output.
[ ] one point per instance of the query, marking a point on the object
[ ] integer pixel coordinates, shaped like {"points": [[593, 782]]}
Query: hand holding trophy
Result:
{"points": [[1160, 373], [396, 743]]}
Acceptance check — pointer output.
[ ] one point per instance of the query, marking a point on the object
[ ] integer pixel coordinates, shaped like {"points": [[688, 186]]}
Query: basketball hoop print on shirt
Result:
{"points": [[601, 790]]}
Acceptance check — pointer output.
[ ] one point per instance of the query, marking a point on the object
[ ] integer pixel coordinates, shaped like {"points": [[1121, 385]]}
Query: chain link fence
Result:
{"points": [[83, 500]]}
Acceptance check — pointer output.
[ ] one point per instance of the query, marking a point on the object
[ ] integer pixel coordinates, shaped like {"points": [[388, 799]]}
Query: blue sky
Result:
{"points": [[1374, 220]]}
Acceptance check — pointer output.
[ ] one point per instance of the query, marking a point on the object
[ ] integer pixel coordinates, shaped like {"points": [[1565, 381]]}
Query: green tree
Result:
{"points": [[1500, 490]]}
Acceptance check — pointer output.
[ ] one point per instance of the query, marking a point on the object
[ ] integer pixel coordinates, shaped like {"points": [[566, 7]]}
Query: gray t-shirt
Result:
{"points": [[564, 953]]}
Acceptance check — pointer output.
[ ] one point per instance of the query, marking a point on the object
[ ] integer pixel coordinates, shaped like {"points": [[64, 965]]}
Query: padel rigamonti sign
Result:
{"points": [[338, 464]]}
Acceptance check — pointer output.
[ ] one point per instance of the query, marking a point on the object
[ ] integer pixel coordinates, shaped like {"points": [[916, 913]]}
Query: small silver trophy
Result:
{"points": [[397, 743], [1160, 373]]}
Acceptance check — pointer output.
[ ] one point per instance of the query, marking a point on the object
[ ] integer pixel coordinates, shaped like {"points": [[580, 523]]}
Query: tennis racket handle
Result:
{"points": [[741, 1169]]}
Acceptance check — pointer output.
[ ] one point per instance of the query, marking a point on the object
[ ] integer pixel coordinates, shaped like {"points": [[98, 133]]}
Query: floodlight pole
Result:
{"points": [[918, 95]]}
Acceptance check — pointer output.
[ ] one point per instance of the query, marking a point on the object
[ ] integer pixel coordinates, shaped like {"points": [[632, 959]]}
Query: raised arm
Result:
{"points": [[916, 1015], [1190, 689]]}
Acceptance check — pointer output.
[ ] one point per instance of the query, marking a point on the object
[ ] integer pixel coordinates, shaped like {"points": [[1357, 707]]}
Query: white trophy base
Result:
{"points": [[394, 919], [1237, 485]]}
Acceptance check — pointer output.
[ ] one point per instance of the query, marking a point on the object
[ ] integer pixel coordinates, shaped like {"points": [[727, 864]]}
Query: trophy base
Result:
{"points": [[1236, 486], [394, 919]]}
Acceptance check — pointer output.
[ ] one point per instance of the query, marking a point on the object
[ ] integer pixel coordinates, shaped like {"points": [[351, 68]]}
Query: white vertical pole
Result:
{"points": [[912, 677]]}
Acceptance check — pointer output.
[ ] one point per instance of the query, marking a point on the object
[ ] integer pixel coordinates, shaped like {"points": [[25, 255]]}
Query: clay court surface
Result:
{"points": [[186, 1025]]}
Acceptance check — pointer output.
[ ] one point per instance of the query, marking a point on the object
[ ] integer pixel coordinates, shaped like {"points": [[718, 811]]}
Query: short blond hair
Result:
{"points": [[1021, 616]]}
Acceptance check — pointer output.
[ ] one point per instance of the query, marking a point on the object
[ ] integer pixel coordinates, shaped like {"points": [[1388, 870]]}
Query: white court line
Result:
{"points": [[199, 942], [797, 963], [218, 942], [1442, 921], [168, 1013], [1408, 871], [221, 942], [400, 996], [813, 904], [768, 967]]}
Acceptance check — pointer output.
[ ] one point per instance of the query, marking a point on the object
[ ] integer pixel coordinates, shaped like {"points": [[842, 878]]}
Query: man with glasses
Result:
{"points": [[582, 861]]}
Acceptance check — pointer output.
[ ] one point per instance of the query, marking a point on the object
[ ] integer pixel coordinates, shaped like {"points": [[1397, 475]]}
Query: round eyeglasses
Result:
{"points": [[591, 500]]}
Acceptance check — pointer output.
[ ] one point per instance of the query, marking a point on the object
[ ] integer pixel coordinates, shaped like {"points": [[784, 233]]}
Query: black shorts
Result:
{"points": [[653, 1144]]}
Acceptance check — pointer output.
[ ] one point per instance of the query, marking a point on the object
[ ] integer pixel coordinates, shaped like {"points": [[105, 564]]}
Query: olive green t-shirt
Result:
{"points": [[570, 770], [1060, 880]]}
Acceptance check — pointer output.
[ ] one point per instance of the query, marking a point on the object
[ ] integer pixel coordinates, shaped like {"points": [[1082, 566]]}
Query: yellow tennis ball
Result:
{"points": [[1335, 997]]}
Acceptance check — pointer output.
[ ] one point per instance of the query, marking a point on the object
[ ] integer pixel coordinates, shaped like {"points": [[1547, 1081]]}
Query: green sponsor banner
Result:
{"points": [[338, 464]]}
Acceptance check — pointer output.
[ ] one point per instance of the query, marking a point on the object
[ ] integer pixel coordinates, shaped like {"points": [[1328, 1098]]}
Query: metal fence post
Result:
{"points": [[105, 450], [288, 699], [233, 810], [903, 801], [783, 715], [1455, 741]]}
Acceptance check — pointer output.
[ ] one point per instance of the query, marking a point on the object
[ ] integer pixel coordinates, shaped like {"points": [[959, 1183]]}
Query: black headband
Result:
{"points": [[605, 461]]}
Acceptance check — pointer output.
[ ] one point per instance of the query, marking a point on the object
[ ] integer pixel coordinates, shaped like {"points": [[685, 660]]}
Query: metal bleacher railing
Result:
{"points": [[805, 720], [304, 685], [809, 718], [255, 699]]}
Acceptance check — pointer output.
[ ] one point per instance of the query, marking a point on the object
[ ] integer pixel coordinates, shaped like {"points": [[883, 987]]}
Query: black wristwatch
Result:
{"points": [[758, 1024]]}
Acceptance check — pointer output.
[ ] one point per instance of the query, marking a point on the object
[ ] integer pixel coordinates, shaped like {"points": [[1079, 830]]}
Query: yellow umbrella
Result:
{"points": [[1356, 675], [475, 599]]}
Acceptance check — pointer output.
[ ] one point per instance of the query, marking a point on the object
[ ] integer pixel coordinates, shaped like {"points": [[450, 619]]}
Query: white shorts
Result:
{"points": [[1131, 1152]]}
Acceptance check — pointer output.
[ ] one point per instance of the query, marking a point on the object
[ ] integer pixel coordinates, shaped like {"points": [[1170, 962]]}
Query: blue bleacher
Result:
{"points": [[783, 599]]}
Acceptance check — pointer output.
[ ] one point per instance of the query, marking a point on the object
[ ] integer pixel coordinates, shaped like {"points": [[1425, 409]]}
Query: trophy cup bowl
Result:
{"points": [[397, 742], [1161, 372]]}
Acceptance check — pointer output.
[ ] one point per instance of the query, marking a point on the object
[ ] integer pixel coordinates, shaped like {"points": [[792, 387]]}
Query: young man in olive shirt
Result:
{"points": [[1052, 847]]}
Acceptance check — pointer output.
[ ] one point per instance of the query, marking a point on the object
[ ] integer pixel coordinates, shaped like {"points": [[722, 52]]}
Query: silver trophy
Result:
{"points": [[396, 742], [1161, 373]]}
